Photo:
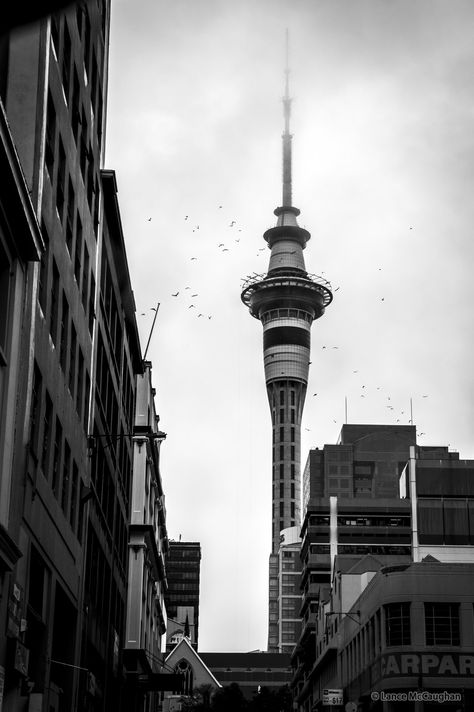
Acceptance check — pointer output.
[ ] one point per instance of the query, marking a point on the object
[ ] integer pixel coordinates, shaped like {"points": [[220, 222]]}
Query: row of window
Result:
{"points": [[292, 509], [63, 333], [282, 416], [53, 453], [441, 624], [282, 452], [281, 470], [281, 434], [285, 314], [448, 520]]}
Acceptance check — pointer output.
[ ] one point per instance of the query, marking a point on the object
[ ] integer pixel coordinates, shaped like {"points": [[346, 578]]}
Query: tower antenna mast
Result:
{"points": [[287, 188]]}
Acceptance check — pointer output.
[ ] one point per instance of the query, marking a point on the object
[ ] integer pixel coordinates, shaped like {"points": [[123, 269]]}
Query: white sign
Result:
{"points": [[331, 698]]}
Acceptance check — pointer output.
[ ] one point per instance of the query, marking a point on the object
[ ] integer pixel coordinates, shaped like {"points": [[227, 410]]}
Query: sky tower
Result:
{"points": [[286, 300]]}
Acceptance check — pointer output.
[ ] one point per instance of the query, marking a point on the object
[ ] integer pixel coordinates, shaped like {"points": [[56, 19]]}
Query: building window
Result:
{"points": [[282, 470], [293, 471], [282, 490], [292, 435], [397, 624], [53, 324], [282, 415], [282, 509], [282, 397], [47, 428], [442, 623], [282, 433], [292, 493], [292, 413], [282, 452], [292, 452], [58, 443]]}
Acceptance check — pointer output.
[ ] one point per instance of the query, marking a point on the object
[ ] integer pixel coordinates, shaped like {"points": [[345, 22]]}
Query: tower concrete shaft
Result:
{"points": [[286, 300]]}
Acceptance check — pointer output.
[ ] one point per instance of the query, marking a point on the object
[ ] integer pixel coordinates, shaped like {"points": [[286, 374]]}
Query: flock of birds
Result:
{"points": [[193, 304]]}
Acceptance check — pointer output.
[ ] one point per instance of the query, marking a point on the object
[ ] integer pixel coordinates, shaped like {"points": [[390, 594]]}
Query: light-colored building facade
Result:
{"points": [[148, 544], [397, 638]]}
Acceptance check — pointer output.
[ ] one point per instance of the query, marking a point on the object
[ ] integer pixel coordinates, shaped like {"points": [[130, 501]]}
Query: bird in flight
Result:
{"points": [[195, 295], [226, 249], [149, 219], [424, 396], [315, 394], [232, 223], [221, 245], [194, 258], [175, 295], [200, 315], [186, 217]]}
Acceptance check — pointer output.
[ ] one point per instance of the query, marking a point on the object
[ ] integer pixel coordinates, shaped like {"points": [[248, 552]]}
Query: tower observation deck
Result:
{"points": [[286, 300]]}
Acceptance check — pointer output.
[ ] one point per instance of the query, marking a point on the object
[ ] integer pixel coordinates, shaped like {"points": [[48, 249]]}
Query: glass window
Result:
{"points": [[456, 524], [430, 521], [397, 624], [442, 623]]}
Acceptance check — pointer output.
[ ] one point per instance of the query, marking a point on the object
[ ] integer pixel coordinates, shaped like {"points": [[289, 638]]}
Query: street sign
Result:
{"points": [[332, 698]]}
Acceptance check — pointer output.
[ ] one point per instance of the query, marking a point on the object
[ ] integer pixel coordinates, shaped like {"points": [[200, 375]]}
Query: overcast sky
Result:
{"points": [[383, 173]]}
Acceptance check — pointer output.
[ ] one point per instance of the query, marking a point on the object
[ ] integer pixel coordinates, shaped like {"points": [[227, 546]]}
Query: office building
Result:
{"points": [[396, 638], [183, 567], [20, 243], [286, 300], [148, 545], [111, 454], [352, 508], [53, 86]]}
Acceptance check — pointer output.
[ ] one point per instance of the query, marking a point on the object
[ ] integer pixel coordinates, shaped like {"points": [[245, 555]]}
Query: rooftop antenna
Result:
{"points": [[155, 309], [287, 189]]}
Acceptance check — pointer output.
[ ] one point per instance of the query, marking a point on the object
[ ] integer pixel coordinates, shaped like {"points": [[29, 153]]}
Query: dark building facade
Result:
{"points": [[117, 363], [53, 86], [286, 300], [183, 567], [352, 508]]}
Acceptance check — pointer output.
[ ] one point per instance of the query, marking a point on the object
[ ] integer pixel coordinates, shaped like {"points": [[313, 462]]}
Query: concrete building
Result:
{"points": [[286, 300], [397, 638], [53, 86], [183, 567], [440, 489], [428, 525], [148, 545], [352, 508], [111, 454], [20, 243]]}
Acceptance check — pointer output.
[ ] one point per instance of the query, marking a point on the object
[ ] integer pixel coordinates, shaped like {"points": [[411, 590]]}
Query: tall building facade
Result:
{"points": [[286, 300], [148, 544], [352, 509], [183, 572], [117, 365], [53, 87]]}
